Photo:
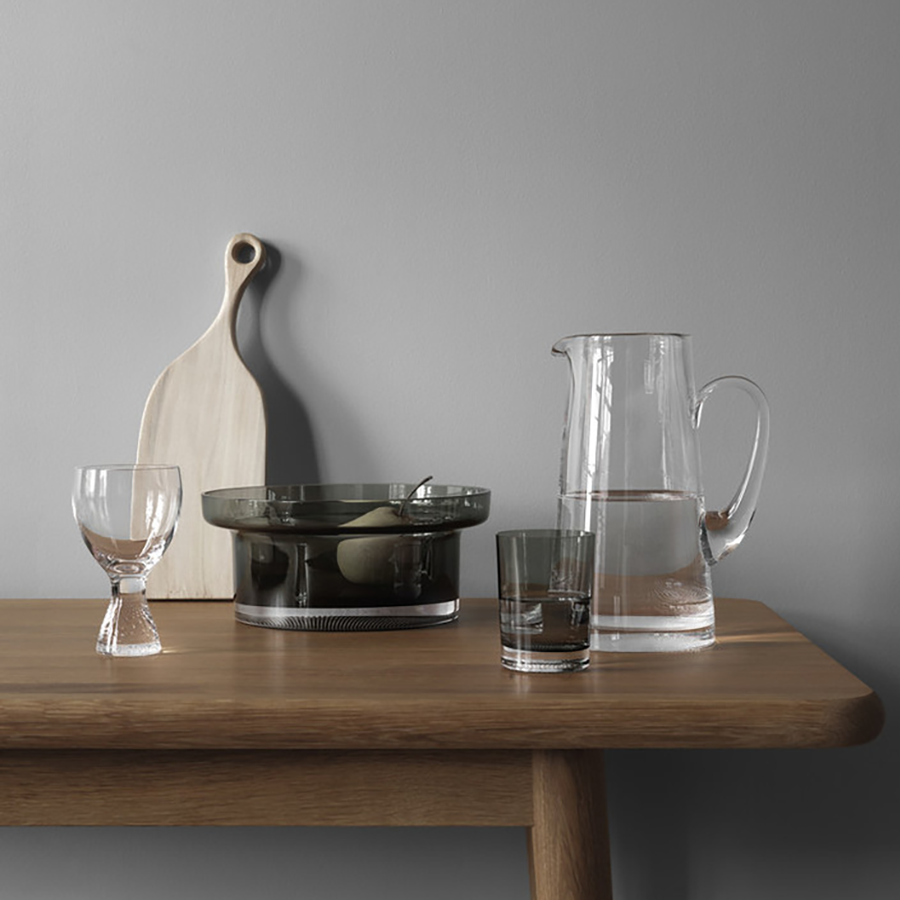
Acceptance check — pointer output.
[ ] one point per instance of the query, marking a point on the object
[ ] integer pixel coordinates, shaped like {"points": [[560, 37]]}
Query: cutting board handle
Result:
{"points": [[244, 257]]}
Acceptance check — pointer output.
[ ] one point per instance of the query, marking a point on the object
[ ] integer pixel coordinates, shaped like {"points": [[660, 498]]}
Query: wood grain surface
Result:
{"points": [[235, 725], [205, 414], [220, 685], [266, 787], [568, 841]]}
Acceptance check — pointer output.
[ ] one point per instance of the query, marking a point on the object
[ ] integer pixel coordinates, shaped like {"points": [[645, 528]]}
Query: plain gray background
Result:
{"points": [[449, 188]]}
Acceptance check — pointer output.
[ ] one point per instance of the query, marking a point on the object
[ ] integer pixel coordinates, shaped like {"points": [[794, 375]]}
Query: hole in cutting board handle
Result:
{"points": [[243, 253]]}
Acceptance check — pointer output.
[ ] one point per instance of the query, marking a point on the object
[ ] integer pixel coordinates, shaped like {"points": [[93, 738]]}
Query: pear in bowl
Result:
{"points": [[370, 560]]}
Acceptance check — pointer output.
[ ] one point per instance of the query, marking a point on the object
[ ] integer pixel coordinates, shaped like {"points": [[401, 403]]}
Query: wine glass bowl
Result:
{"points": [[127, 515]]}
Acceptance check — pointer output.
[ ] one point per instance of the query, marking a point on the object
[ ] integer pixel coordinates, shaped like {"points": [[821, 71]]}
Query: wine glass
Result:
{"points": [[127, 516]]}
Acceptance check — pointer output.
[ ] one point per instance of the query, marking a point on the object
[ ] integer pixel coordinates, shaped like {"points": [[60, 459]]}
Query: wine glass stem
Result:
{"points": [[128, 628]]}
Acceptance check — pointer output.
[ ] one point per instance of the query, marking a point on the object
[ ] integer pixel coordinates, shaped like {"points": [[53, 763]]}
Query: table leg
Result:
{"points": [[568, 842]]}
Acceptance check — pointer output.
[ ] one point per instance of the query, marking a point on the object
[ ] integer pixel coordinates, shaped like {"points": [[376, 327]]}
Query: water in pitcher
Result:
{"points": [[652, 588]]}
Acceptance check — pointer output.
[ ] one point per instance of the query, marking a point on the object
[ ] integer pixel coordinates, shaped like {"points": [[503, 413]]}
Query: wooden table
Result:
{"points": [[235, 725]]}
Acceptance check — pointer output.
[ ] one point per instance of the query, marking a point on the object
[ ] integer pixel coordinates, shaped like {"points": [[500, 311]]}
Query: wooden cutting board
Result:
{"points": [[206, 414]]}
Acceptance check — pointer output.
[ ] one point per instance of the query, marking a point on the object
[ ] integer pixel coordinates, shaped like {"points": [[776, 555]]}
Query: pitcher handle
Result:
{"points": [[723, 530]]}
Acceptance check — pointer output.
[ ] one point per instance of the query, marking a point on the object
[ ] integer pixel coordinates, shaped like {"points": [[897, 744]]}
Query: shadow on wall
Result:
{"points": [[291, 456], [684, 821]]}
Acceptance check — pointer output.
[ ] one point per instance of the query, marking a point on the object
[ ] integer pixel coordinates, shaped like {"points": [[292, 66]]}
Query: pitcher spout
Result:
{"points": [[564, 345]]}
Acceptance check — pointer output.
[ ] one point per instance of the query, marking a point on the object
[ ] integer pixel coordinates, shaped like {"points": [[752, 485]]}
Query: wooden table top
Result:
{"points": [[222, 685]]}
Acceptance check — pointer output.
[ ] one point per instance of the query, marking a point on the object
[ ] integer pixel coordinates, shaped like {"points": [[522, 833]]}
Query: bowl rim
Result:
{"points": [[232, 493], [438, 508]]}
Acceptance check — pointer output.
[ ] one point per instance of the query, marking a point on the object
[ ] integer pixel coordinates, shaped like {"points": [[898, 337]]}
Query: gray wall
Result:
{"points": [[449, 188]]}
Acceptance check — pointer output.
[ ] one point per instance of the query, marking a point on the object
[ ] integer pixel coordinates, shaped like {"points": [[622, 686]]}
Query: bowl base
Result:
{"points": [[376, 618]]}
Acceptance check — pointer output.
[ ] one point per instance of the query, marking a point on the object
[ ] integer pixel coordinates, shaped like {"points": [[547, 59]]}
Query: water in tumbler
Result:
{"points": [[652, 589], [545, 634], [544, 624]]}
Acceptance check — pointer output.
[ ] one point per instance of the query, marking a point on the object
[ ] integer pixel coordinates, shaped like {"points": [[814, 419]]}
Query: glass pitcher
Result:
{"points": [[630, 472]]}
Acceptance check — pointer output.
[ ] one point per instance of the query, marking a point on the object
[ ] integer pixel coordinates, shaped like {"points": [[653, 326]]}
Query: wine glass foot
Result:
{"points": [[128, 628], [150, 649]]}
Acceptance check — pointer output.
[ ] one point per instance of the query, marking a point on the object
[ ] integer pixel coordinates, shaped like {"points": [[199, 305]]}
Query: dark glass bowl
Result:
{"points": [[346, 557]]}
